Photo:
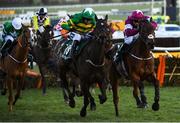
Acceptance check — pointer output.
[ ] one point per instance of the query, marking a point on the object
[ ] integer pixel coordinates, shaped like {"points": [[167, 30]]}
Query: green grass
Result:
{"points": [[35, 107]]}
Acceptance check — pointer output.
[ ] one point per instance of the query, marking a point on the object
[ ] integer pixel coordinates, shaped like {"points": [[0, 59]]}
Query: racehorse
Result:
{"points": [[88, 65], [42, 52], [15, 65], [139, 65]]}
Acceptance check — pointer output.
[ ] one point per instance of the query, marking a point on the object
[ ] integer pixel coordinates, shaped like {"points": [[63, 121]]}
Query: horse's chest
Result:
{"points": [[146, 68]]}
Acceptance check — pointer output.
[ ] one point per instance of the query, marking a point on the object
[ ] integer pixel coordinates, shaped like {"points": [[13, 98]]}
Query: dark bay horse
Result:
{"points": [[15, 65], [42, 52], [139, 64], [89, 65]]}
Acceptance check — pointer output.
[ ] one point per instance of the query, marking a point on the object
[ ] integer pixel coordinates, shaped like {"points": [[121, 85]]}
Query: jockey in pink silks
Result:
{"points": [[131, 31]]}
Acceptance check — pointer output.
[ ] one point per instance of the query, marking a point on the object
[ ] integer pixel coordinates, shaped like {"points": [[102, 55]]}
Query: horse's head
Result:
{"points": [[45, 38], [102, 31], [24, 39], [147, 34]]}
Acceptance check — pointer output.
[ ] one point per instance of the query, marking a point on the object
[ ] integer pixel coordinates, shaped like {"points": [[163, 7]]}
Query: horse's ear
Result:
{"points": [[70, 16], [106, 17], [96, 18]]}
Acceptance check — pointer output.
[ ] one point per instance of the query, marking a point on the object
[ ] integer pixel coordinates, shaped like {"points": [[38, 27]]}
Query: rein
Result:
{"points": [[17, 61], [95, 65], [140, 58]]}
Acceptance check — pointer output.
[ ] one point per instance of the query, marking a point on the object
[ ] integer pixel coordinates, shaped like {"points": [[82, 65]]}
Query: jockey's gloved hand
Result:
{"points": [[75, 36], [149, 19], [41, 29]]}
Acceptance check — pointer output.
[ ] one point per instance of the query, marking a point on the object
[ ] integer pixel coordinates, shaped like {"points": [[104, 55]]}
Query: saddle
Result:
{"points": [[67, 45]]}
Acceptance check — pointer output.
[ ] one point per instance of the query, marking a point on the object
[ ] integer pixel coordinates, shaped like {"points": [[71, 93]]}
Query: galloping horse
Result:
{"points": [[41, 50], [89, 66], [139, 64], [15, 65]]}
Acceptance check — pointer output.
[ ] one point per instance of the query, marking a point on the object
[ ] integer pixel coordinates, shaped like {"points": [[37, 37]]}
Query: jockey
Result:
{"points": [[11, 30], [40, 20], [80, 23], [131, 31]]}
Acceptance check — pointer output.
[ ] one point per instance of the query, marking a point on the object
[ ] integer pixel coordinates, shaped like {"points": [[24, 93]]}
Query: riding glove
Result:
{"points": [[41, 29], [75, 36]]}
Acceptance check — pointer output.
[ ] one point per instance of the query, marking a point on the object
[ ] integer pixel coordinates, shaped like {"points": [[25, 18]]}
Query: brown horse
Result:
{"points": [[15, 65], [139, 65], [42, 52], [89, 65]]}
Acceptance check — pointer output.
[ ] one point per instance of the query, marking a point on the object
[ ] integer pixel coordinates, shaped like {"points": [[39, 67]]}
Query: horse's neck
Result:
{"points": [[94, 51], [19, 52], [139, 48]]}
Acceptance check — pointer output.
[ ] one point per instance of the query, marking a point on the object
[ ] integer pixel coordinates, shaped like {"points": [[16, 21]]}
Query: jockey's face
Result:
{"points": [[86, 21], [136, 22], [42, 16]]}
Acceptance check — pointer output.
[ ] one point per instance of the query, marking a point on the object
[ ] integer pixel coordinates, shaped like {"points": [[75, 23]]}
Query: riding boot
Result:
{"points": [[5, 47], [11, 46], [73, 49], [123, 50]]}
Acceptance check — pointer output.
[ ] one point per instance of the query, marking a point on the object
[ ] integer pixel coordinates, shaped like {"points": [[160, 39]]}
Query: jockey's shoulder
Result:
{"points": [[128, 20], [35, 16], [76, 17], [7, 25]]}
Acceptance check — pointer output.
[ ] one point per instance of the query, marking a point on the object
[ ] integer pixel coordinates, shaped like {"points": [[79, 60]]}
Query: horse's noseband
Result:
{"points": [[150, 36]]}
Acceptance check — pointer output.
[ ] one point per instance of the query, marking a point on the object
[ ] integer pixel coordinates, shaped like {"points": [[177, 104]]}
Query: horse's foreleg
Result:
{"points": [[41, 70], [102, 85], [115, 85], [65, 95], [4, 87], [153, 79], [143, 97], [19, 88], [135, 94], [85, 90], [92, 103], [10, 88], [65, 87], [113, 77]]}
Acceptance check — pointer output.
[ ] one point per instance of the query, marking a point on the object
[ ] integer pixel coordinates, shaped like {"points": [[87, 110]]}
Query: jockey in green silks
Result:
{"points": [[11, 30], [80, 24]]}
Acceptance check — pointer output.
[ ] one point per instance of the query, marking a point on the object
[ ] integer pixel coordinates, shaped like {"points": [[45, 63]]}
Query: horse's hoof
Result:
{"points": [[72, 103], [44, 94], [117, 114], [155, 106], [142, 105], [10, 108], [93, 106], [83, 112], [102, 99], [66, 101]]}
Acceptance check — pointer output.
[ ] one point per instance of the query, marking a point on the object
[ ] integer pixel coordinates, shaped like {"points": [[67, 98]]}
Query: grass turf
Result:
{"points": [[35, 107]]}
